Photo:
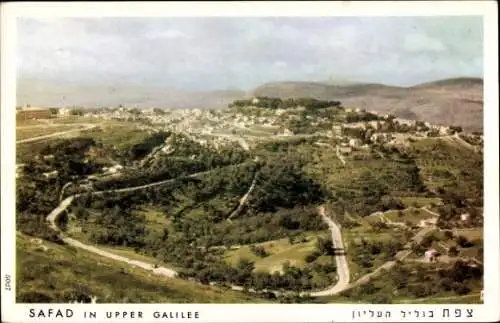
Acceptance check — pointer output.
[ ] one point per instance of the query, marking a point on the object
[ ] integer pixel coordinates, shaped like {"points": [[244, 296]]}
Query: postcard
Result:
{"points": [[250, 162]]}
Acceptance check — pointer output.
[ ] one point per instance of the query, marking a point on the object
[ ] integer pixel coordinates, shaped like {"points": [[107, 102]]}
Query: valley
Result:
{"points": [[293, 200]]}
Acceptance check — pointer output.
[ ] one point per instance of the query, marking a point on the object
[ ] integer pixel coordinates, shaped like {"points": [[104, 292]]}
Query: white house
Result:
{"points": [[465, 217], [148, 111], [354, 143], [443, 130], [51, 174], [255, 101], [115, 168], [430, 255], [64, 112]]}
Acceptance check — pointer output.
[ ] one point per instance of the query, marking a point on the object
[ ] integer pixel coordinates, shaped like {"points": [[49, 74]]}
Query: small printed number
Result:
{"points": [[7, 282]]}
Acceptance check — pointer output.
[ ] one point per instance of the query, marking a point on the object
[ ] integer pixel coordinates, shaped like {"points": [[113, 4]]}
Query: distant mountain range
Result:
{"points": [[49, 94], [457, 101]]}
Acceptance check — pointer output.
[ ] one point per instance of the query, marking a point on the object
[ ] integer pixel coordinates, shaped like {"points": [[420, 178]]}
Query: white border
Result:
{"points": [[489, 311]]}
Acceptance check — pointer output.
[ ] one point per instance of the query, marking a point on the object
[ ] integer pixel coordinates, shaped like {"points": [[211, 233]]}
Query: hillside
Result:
{"points": [[48, 272], [452, 101]]}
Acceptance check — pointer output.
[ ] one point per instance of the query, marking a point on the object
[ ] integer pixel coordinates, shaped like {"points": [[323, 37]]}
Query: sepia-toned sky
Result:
{"points": [[229, 52]]}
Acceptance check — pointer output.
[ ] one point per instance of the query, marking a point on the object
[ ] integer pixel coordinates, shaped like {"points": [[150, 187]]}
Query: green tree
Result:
{"points": [[324, 246]]}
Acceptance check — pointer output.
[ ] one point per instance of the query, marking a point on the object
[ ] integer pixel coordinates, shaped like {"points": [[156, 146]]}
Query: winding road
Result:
{"points": [[54, 216], [340, 258]]}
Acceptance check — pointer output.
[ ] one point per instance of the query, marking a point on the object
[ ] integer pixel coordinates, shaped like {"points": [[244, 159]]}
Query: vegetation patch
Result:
{"points": [[419, 281], [276, 252], [59, 274]]}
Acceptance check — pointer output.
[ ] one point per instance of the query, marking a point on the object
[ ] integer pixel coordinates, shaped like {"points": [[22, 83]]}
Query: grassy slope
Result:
{"points": [[25, 133], [420, 201], [279, 251], [412, 216], [63, 269]]}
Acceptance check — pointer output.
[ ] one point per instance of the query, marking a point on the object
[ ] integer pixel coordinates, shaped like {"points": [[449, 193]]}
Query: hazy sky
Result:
{"points": [[219, 53]]}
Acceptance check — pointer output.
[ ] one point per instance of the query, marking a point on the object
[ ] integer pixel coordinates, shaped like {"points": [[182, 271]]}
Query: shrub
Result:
{"points": [[463, 242], [259, 251], [446, 283], [462, 289], [379, 299], [448, 234], [421, 290], [367, 289], [453, 252], [33, 297], [312, 257], [427, 240], [325, 246], [379, 225]]}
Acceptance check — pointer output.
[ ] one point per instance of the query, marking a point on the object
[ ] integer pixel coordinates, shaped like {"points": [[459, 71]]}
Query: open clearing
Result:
{"points": [[156, 220], [279, 251], [420, 201], [471, 234], [411, 215], [30, 132]]}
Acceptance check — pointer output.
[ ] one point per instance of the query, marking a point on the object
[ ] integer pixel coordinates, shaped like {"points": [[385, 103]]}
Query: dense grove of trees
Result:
{"points": [[277, 103], [283, 146], [118, 226], [419, 282], [37, 195], [362, 116], [364, 252], [281, 183], [187, 158], [142, 149]]}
